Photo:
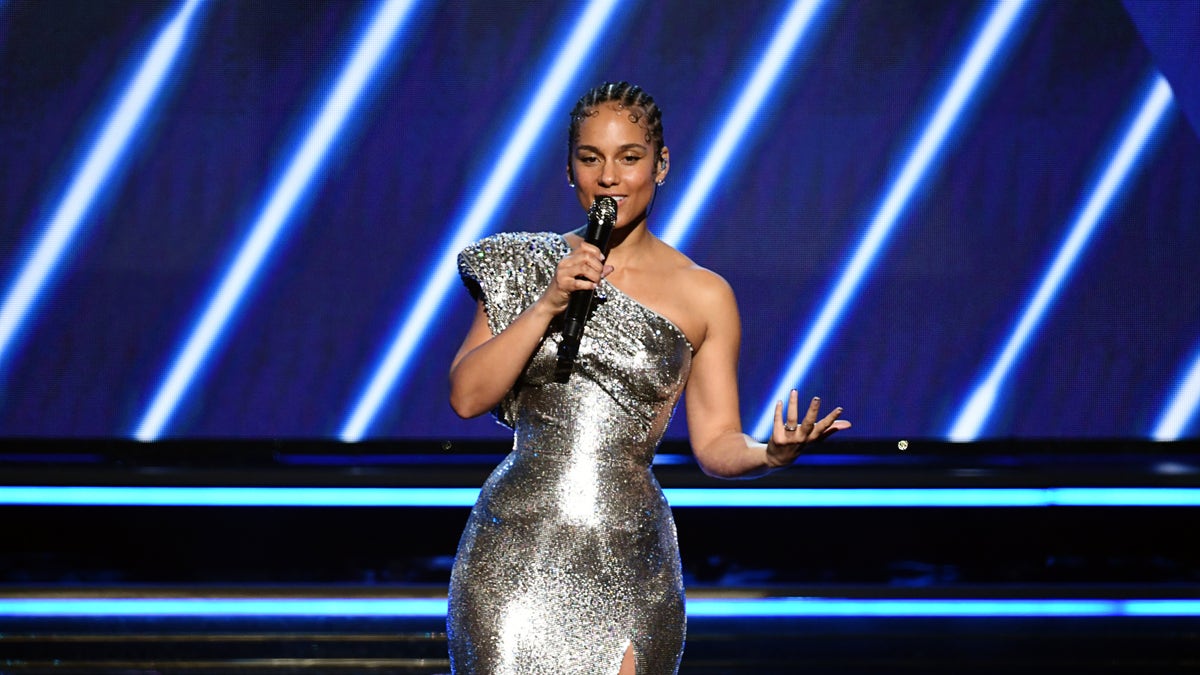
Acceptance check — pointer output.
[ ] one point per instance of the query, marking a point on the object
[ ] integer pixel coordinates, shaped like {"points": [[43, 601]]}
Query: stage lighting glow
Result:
{"points": [[224, 607], [988, 44], [443, 275], [235, 496], [801, 607], [929, 497], [276, 212], [109, 146], [1118, 169], [781, 607], [61, 495], [778, 53], [1182, 408]]}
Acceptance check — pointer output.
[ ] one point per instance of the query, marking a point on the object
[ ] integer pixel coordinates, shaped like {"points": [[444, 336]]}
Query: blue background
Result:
{"points": [[785, 215]]}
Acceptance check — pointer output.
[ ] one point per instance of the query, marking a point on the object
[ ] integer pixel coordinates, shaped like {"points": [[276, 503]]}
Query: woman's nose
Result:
{"points": [[608, 174]]}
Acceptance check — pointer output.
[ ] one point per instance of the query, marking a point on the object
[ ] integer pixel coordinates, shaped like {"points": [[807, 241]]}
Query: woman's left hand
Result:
{"points": [[788, 438]]}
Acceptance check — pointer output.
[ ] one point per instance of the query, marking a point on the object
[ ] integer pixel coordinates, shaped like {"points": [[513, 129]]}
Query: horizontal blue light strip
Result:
{"points": [[988, 44], [1118, 168], [800, 607], [340, 104], [931, 497], [41, 495], [416, 321], [697, 607], [97, 169], [778, 53], [235, 496]]}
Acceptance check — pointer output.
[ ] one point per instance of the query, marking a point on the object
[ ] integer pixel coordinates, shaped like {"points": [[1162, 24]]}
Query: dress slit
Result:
{"points": [[630, 652]]}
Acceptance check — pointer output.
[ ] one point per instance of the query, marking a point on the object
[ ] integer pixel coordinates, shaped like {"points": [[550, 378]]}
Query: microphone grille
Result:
{"points": [[606, 209]]}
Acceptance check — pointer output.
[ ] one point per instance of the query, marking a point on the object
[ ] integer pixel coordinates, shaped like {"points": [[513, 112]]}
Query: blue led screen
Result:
{"points": [[237, 218]]}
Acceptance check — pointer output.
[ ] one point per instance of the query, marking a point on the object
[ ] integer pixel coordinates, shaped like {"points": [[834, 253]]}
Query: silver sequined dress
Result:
{"points": [[570, 554]]}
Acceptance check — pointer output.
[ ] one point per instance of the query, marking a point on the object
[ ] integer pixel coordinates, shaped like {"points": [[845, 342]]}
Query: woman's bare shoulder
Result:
{"points": [[710, 292], [699, 278]]}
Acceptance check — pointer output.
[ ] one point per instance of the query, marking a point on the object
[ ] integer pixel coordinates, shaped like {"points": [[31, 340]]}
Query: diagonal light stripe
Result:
{"points": [[779, 52], [61, 230], [988, 44], [340, 104], [1182, 408], [416, 321], [1118, 169]]}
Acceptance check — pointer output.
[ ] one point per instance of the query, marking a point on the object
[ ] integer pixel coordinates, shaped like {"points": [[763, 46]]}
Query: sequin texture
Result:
{"points": [[570, 554]]}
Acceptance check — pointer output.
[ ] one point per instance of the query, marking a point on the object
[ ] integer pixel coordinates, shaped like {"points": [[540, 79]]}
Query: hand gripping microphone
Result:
{"points": [[601, 218]]}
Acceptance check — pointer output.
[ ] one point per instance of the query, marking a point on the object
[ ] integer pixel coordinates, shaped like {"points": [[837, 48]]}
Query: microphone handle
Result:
{"points": [[601, 217]]}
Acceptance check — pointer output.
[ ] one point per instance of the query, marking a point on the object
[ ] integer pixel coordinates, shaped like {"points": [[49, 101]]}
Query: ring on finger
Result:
{"points": [[789, 427]]}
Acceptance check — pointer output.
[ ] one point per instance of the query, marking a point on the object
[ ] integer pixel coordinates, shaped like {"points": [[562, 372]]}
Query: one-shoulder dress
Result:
{"points": [[570, 554]]}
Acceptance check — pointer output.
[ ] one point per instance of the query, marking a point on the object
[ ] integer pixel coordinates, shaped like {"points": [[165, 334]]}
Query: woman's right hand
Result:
{"points": [[579, 270]]}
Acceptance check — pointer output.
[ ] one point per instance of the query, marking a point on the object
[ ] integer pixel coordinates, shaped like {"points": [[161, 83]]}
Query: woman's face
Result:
{"points": [[613, 158]]}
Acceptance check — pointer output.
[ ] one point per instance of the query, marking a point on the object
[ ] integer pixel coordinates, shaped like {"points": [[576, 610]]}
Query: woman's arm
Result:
{"points": [[486, 366], [714, 421]]}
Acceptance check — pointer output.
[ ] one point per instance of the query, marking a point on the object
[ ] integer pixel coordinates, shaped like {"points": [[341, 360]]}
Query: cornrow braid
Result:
{"points": [[643, 111]]}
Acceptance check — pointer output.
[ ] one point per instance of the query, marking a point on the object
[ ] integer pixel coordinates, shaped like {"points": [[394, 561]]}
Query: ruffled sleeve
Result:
{"points": [[508, 272]]}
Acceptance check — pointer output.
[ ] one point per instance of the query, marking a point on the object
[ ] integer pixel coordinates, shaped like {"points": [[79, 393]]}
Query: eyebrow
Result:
{"points": [[623, 148]]}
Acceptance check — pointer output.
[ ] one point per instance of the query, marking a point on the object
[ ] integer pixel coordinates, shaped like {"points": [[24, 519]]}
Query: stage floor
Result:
{"points": [[213, 557], [391, 639]]}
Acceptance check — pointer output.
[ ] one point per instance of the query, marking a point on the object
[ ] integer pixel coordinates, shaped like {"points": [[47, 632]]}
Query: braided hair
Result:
{"points": [[643, 111]]}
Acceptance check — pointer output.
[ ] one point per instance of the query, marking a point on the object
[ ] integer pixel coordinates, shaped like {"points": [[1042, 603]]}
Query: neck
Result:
{"points": [[629, 237], [629, 243], [626, 243]]}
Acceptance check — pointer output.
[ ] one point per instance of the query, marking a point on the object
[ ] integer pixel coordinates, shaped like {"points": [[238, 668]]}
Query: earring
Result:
{"points": [[659, 183], [570, 184]]}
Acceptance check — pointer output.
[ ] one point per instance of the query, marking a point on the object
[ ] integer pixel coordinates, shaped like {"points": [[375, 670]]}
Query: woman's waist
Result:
{"points": [[577, 472], [627, 461], [590, 417], [606, 438], [607, 456], [576, 490]]}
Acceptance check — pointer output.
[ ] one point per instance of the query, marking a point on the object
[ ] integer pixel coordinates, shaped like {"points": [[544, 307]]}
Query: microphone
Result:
{"points": [[601, 218]]}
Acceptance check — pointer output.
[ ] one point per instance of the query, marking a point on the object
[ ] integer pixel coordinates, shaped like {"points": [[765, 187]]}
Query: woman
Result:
{"points": [[569, 562]]}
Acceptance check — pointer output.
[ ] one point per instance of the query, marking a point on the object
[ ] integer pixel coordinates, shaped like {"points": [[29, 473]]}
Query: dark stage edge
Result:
{"points": [[457, 463]]}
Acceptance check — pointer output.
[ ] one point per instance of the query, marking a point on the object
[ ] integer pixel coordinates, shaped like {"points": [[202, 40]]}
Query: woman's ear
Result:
{"points": [[664, 165]]}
